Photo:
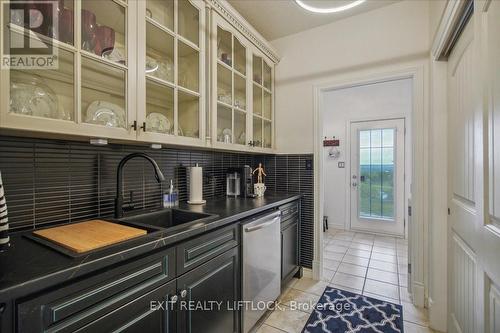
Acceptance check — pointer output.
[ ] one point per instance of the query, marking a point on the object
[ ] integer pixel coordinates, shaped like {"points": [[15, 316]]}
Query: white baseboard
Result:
{"points": [[307, 273], [418, 294], [437, 316]]}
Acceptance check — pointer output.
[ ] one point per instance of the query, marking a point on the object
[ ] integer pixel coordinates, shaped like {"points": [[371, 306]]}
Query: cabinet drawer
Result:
{"points": [[289, 210], [77, 304], [140, 315], [195, 252]]}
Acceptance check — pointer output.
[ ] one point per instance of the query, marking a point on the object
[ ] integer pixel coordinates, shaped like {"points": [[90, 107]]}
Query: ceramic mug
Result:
{"points": [[259, 189]]}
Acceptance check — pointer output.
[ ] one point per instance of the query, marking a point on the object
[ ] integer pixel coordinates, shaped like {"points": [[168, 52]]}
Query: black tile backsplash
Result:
{"points": [[50, 182]]}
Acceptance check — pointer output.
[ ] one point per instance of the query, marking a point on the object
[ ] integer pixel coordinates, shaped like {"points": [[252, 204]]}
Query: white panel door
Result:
{"points": [[462, 83], [377, 176], [473, 164]]}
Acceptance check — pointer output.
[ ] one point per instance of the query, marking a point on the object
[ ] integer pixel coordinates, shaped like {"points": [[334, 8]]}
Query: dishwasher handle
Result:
{"points": [[266, 221]]}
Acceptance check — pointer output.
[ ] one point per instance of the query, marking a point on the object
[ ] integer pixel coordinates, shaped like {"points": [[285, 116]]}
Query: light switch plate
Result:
{"points": [[341, 165]]}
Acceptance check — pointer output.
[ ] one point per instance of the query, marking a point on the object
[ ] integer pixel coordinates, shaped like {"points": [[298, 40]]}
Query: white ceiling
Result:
{"points": [[278, 18]]}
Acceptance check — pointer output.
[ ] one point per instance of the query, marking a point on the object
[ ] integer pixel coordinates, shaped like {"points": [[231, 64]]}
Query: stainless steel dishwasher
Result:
{"points": [[261, 265]]}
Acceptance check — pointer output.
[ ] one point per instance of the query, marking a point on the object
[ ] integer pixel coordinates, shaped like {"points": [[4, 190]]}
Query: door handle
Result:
{"points": [[260, 226]]}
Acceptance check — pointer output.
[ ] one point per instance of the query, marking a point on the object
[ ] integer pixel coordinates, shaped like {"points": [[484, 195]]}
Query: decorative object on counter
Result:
{"points": [[233, 183], [157, 122], [106, 114], [260, 172], [259, 188], [171, 197], [4, 220], [31, 96], [196, 186]]}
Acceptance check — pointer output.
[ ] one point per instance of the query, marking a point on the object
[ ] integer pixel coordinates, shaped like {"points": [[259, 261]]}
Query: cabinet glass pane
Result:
{"points": [[224, 47], [257, 131], [224, 85], [257, 100], [189, 61], [159, 53], [224, 124], [103, 29], [189, 115], [257, 69], [189, 21], [44, 22], [240, 127], [240, 57], [161, 11], [240, 92], [44, 93], [103, 94], [268, 106], [159, 108], [267, 76], [267, 134]]}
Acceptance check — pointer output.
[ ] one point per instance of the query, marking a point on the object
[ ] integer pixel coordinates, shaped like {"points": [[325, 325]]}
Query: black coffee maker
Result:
{"points": [[246, 180]]}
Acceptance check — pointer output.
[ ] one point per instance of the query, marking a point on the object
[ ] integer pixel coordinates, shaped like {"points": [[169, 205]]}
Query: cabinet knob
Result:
{"points": [[174, 299], [184, 293]]}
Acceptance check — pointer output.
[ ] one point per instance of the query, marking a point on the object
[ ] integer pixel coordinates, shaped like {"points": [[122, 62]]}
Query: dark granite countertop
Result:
{"points": [[28, 266]]}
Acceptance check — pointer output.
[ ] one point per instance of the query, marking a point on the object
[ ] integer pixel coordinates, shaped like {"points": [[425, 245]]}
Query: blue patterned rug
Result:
{"points": [[340, 311]]}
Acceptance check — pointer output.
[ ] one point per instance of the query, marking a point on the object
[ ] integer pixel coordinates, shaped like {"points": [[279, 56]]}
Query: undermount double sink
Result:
{"points": [[168, 218]]}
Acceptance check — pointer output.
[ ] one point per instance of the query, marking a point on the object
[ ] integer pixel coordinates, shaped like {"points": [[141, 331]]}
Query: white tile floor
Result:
{"points": [[363, 263]]}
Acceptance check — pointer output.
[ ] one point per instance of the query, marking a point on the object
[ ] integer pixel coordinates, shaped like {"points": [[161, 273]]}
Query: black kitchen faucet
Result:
{"points": [[119, 179]]}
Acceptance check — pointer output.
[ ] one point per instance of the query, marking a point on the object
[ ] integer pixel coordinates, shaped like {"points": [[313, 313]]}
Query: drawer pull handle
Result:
{"points": [[184, 293], [174, 299]]}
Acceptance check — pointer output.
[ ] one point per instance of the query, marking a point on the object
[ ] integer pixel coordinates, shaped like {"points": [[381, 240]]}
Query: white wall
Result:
{"points": [[339, 107], [388, 35]]}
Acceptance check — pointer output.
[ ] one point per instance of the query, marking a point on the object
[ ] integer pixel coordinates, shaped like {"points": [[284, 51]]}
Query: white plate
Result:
{"points": [[156, 122], [106, 114]]}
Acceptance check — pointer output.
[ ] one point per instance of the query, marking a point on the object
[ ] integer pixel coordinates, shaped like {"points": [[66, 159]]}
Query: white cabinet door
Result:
{"points": [[242, 94], [171, 72], [91, 90]]}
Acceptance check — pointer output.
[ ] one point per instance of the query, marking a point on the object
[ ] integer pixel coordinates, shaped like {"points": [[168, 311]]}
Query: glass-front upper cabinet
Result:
{"points": [[262, 92], [171, 75], [231, 81], [79, 82]]}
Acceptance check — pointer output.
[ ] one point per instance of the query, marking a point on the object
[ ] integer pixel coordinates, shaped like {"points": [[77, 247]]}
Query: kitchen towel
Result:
{"points": [[4, 220]]}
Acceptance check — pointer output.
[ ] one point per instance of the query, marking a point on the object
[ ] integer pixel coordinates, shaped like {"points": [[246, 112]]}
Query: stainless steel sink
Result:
{"points": [[167, 218]]}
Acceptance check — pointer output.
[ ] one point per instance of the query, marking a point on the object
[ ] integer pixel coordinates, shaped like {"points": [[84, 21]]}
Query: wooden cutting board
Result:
{"points": [[89, 235]]}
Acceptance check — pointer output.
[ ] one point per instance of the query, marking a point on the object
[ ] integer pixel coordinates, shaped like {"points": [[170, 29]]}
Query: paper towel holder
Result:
{"points": [[196, 186]]}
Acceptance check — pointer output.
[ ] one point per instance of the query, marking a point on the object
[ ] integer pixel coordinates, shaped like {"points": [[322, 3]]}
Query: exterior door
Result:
{"points": [[377, 176]]}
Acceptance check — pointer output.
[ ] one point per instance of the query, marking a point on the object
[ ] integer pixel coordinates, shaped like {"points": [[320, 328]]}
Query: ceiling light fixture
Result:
{"points": [[328, 10]]}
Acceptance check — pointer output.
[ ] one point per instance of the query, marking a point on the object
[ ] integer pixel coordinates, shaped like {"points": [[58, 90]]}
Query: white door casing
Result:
{"points": [[377, 176]]}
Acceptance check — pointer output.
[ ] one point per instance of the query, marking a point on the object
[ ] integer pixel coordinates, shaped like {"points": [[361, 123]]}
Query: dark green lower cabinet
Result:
{"points": [[149, 313], [211, 290]]}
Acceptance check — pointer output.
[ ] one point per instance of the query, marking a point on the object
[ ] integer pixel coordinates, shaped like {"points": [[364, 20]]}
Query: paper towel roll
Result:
{"points": [[196, 185]]}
